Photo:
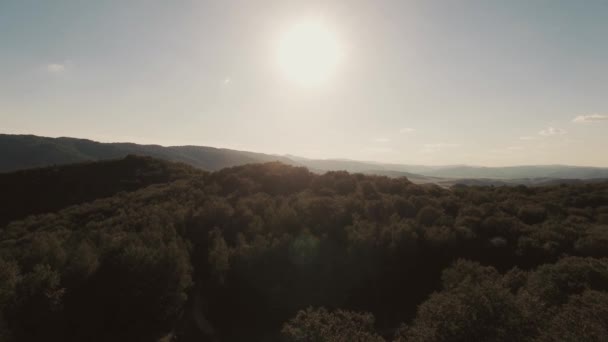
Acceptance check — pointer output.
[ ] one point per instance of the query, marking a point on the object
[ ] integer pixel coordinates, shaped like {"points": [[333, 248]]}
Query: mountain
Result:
{"points": [[519, 172], [29, 151], [508, 175], [360, 166]]}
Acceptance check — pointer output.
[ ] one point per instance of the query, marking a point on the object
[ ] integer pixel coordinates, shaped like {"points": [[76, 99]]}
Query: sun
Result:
{"points": [[309, 52]]}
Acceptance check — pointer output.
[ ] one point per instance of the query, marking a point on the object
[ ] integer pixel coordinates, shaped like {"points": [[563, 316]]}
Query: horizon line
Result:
{"points": [[288, 155]]}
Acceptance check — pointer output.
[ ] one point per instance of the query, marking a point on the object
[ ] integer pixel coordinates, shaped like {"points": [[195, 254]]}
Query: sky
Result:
{"points": [[417, 82]]}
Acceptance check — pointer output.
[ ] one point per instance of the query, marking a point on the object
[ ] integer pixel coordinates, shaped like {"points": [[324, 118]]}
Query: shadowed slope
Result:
{"points": [[44, 190]]}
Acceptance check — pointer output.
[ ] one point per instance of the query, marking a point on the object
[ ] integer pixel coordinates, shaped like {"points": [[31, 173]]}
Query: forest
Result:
{"points": [[139, 249]]}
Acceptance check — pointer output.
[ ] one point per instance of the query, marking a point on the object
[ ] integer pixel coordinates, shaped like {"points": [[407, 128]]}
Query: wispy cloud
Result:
{"points": [[528, 138], [590, 118], [55, 68], [381, 140], [552, 131], [436, 147], [406, 130]]}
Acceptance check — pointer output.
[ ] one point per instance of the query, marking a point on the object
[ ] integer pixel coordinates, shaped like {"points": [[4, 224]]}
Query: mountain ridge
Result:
{"points": [[31, 151]]}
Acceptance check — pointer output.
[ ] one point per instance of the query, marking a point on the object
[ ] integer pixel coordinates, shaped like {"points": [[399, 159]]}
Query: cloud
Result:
{"points": [[590, 118], [406, 130], [381, 140], [552, 131], [432, 148], [528, 138], [55, 68]]}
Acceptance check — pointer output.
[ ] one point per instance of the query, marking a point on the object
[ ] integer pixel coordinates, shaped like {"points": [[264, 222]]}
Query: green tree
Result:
{"points": [[321, 325]]}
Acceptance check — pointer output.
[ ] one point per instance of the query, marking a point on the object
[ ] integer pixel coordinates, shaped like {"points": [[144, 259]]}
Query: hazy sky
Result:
{"points": [[424, 82]]}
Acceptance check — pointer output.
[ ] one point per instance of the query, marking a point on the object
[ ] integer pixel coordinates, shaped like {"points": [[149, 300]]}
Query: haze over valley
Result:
{"points": [[22, 152]]}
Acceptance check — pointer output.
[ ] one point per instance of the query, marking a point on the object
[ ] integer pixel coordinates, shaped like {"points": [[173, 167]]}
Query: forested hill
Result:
{"points": [[270, 252], [29, 151], [44, 190]]}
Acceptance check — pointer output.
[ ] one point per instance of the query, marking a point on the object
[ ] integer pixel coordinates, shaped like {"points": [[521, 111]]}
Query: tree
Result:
{"points": [[219, 254], [473, 306], [583, 318], [321, 325], [428, 215]]}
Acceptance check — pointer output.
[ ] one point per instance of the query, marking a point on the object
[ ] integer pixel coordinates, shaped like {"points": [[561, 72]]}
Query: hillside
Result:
{"points": [[29, 151], [270, 252], [44, 190], [513, 174]]}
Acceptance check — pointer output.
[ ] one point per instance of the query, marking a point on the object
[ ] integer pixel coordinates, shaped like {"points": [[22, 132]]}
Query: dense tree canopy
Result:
{"points": [[269, 252], [44, 190]]}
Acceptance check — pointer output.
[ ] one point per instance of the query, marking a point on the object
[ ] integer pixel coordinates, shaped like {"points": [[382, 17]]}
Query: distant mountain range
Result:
{"points": [[19, 152]]}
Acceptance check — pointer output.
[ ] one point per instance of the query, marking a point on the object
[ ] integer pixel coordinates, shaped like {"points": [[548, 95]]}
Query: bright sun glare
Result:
{"points": [[308, 53]]}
